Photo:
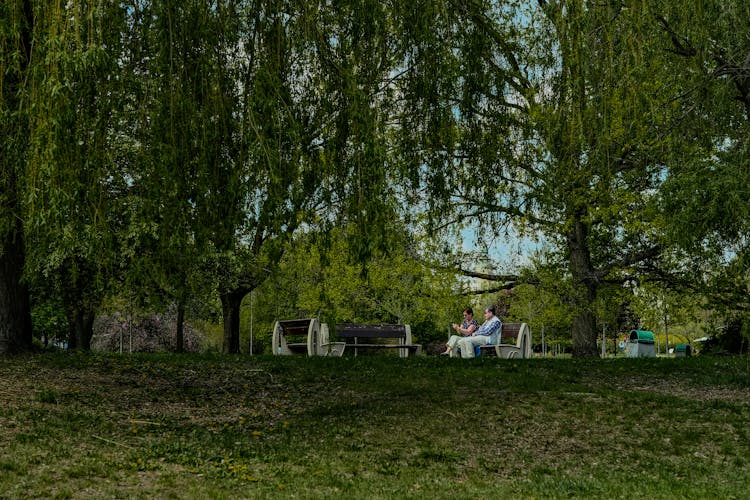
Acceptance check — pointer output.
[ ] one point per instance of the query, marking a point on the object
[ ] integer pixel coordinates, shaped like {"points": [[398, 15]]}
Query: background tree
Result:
{"points": [[16, 42], [322, 280], [555, 126], [706, 193], [675, 317], [541, 300]]}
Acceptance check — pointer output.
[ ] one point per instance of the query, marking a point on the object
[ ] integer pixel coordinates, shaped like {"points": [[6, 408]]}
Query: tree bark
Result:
{"points": [[86, 329], [82, 330], [583, 325], [230, 304], [15, 305], [585, 288]]}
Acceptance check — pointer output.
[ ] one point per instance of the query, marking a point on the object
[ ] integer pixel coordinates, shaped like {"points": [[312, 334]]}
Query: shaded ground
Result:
{"points": [[78, 426]]}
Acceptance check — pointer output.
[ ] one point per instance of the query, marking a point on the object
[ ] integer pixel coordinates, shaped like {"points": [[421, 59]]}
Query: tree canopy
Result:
{"points": [[171, 149]]}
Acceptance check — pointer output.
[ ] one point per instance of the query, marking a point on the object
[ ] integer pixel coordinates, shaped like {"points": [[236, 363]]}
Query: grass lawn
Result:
{"points": [[186, 426]]}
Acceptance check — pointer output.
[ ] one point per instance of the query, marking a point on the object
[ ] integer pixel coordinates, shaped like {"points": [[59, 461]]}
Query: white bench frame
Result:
{"points": [[318, 343], [521, 349]]}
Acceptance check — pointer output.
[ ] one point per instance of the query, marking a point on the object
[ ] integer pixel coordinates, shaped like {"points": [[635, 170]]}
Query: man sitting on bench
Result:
{"points": [[486, 334]]}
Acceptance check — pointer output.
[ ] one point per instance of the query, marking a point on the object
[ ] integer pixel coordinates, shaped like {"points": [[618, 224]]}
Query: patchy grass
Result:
{"points": [[168, 426]]}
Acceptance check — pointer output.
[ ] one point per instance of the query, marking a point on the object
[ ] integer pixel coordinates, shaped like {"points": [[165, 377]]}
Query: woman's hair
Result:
{"points": [[468, 310]]}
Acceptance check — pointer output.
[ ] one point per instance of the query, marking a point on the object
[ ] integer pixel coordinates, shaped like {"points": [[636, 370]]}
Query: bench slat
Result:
{"points": [[370, 335], [386, 346], [371, 331], [510, 331], [295, 326], [353, 333]]}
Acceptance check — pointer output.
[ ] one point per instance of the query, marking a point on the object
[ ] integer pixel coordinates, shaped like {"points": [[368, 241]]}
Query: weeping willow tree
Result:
{"points": [[55, 109], [16, 35], [261, 117], [73, 95], [182, 174], [315, 104], [272, 176], [550, 119], [160, 142]]}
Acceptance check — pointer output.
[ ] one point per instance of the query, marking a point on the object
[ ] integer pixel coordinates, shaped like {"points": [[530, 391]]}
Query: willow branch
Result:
{"points": [[682, 45], [507, 286], [629, 260], [484, 208]]}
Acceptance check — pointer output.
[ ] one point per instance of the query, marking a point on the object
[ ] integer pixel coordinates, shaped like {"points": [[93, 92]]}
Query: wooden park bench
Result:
{"points": [[374, 337], [304, 336], [514, 341]]}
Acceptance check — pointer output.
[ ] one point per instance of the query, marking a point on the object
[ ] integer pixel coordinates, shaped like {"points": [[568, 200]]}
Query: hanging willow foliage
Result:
{"points": [[16, 31], [159, 148], [167, 138]]}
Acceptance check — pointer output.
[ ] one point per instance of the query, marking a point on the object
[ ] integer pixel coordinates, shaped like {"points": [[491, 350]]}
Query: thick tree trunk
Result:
{"points": [[15, 306], [82, 330], [230, 304], [584, 327], [72, 335], [86, 330], [585, 288]]}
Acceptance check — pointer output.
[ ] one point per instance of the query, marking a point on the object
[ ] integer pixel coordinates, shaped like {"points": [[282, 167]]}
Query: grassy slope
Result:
{"points": [[84, 426]]}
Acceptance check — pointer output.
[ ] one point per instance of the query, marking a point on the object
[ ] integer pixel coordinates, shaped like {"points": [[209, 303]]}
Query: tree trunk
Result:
{"points": [[585, 288], [15, 305], [584, 326], [82, 330], [230, 304], [86, 331], [72, 335], [180, 336]]}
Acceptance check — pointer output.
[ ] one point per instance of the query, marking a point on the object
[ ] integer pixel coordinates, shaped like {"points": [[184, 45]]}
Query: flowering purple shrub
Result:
{"points": [[155, 333]]}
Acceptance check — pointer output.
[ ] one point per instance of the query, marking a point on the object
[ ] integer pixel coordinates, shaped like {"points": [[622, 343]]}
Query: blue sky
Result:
{"points": [[508, 254]]}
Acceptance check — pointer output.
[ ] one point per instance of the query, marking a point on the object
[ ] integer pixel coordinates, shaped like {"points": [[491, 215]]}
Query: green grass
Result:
{"points": [[158, 426]]}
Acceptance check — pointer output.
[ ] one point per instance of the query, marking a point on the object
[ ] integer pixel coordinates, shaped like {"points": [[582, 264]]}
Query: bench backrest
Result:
{"points": [[295, 326], [509, 333], [353, 330], [519, 335]]}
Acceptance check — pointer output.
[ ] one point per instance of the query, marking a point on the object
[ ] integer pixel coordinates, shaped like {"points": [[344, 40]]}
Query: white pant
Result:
{"points": [[452, 344], [467, 344]]}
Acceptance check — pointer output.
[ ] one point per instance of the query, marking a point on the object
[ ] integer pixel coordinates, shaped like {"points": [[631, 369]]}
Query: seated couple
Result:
{"points": [[471, 334]]}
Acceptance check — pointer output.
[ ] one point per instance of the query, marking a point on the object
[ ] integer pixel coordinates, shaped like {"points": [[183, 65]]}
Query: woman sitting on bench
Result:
{"points": [[467, 327]]}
